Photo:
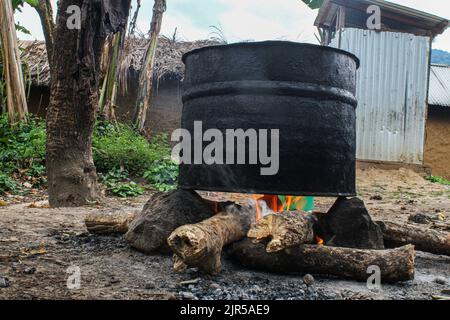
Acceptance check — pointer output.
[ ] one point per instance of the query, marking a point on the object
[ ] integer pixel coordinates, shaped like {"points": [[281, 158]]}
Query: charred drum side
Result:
{"points": [[304, 91]]}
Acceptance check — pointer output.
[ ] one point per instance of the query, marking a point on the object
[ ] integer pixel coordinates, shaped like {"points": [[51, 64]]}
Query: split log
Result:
{"points": [[108, 223], [395, 264], [424, 239], [284, 230], [200, 245]]}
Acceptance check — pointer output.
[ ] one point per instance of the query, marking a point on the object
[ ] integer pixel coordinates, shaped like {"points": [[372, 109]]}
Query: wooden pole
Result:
{"points": [[146, 78], [15, 88]]}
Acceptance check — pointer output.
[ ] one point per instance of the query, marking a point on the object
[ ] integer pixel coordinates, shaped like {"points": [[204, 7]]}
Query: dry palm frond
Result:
{"points": [[168, 61]]}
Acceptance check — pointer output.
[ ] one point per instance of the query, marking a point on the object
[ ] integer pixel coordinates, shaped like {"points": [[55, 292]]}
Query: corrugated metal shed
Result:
{"points": [[392, 93], [439, 93]]}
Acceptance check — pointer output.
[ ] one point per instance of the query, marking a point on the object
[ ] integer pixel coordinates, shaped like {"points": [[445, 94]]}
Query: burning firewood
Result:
{"points": [[200, 245], [107, 223], [424, 239], [283, 230], [394, 264]]}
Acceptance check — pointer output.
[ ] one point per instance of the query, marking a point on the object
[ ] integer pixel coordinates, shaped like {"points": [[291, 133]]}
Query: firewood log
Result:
{"points": [[395, 264], [200, 245], [424, 239], [283, 230], [108, 223]]}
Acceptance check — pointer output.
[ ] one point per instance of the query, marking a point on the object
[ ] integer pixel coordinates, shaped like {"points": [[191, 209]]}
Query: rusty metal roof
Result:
{"points": [[395, 17], [439, 92]]}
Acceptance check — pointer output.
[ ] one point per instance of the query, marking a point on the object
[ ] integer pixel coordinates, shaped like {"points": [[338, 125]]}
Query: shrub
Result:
{"points": [[22, 150], [118, 183], [162, 175], [118, 151], [7, 184], [119, 147], [437, 179]]}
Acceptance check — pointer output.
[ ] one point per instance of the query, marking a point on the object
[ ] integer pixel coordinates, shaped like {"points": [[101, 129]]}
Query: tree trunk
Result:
{"points": [[71, 114], [45, 11], [16, 101], [395, 264], [200, 245], [283, 230], [424, 239], [146, 78]]}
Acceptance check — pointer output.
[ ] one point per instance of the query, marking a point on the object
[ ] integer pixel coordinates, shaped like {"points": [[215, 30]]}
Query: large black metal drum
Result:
{"points": [[307, 92]]}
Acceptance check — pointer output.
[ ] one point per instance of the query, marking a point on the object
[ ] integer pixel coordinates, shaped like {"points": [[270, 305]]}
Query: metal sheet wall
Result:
{"points": [[392, 92]]}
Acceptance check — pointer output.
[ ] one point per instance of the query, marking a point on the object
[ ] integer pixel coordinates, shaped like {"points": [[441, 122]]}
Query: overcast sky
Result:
{"points": [[242, 19]]}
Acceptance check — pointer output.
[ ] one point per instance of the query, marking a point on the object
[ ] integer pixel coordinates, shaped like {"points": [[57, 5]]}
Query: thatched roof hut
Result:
{"points": [[167, 63]]}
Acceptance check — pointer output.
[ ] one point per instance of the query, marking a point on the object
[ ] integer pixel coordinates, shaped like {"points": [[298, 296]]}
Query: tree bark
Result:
{"points": [[16, 100], [424, 239], [71, 113], [109, 223], [395, 264], [283, 230], [200, 245], [45, 12], [146, 78], [108, 94]]}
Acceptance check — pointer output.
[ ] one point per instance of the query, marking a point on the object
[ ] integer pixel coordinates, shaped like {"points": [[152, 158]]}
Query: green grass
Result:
{"points": [[437, 179]]}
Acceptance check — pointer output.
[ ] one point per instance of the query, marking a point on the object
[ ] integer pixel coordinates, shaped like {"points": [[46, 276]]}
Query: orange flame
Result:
{"points": [[319, 241], [272, 202]]}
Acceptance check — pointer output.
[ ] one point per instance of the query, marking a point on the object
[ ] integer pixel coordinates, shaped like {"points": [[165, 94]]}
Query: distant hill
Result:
{"points": [[440, 57]]}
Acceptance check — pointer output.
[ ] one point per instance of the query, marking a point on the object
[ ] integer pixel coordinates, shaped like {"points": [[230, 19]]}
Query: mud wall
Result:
{"points": [[437, 145], [163, 117]]}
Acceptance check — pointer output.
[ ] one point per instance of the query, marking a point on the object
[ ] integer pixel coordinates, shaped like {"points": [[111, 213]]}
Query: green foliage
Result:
{"points": [[127, 190], [162, 175], [118, 146], [313, 4], [22, 150], [18, 4], [117, 183], [119, 153], [437, 179], [7, 184]]}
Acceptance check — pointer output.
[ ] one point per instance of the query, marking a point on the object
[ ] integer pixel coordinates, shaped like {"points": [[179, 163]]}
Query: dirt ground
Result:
{"points": [[42, 249]]}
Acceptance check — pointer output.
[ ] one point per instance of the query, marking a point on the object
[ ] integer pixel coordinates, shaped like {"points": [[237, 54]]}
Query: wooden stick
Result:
{"points": [[424, 239], [284, 230], [108, 223], [395, 264]]}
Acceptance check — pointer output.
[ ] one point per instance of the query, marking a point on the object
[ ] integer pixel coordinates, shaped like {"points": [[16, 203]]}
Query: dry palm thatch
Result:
{"points": [[34, 55], [167, 64]]}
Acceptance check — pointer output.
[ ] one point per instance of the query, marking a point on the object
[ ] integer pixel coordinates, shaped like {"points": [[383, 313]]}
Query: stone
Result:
{"points": [[419, 218], [4, 282], [162, 214], [150, 285], [29, 270], [187, 295], [348, 224], [214, 286], [308, 280], [441, 281]]}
